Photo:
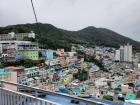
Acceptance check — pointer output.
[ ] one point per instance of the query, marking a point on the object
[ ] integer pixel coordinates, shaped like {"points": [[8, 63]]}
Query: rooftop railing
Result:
{"points": [[9, 97], [16, 97]]}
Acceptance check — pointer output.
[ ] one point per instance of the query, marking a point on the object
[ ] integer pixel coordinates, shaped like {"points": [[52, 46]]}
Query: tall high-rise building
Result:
{"points": [[121, 53], [0, 48], [124, 54], [128, 53], [117, 55]]}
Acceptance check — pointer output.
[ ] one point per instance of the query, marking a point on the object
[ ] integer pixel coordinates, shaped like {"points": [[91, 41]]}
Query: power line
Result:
{"points": [[39, 32], [34, 11]]}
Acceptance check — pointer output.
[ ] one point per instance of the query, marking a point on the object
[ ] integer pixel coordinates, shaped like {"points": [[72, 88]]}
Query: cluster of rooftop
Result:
{"points": [[78, 72]]}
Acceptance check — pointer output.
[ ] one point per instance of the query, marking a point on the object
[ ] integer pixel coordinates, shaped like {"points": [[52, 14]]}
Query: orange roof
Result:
{"points": [[13, 67]]}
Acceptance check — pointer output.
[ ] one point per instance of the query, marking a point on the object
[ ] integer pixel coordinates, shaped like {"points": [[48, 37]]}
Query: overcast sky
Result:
{"points": [[122, 16]]}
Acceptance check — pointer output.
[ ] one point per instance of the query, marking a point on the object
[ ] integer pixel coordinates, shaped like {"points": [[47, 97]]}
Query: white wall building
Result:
{"points": [[128, 53], [121, 53], [117, 55], [1, 48], [16, 36], [31, 34], [138, 66], [124, 54]]}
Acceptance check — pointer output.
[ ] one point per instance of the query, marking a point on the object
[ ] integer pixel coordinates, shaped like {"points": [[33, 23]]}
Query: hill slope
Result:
{"points": [[52, 37]]}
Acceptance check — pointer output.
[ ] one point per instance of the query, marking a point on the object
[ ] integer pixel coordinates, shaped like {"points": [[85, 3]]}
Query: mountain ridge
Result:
{"points": [[53, 37]]}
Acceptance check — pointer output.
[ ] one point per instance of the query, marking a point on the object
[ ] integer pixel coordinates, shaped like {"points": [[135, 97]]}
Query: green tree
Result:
{"points": [[108, 97]]}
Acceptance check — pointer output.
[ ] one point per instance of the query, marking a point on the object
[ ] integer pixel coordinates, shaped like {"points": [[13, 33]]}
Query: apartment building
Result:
{"points": [[14, 48], [16, 36], [124, 54]]}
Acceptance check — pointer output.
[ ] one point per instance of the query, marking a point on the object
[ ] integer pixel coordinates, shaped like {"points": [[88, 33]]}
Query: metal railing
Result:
{"points": [[7, 95]]}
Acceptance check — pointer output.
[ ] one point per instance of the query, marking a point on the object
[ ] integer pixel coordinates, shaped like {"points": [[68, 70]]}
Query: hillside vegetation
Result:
{"points": [[51, 37]]}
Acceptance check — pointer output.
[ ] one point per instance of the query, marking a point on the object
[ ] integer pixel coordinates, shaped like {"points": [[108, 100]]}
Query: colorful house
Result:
{"points": [[48, 54], [7, 75], [30, 54], [28, 49], [21, 75], [32, 75], [20, 49]]}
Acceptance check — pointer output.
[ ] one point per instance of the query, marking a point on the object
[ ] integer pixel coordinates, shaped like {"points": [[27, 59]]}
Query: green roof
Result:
{"points": [[130, 96]]}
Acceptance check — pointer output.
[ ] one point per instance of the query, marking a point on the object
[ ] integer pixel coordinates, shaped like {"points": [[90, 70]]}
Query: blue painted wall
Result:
{"points": [[48, 54]]}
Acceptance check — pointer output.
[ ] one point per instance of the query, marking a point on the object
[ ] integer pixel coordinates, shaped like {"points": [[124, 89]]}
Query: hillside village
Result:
{"points": [[100, 72]]}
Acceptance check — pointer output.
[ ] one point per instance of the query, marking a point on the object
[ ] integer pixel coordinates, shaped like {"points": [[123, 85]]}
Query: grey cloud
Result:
{"points": [[122, 16]]}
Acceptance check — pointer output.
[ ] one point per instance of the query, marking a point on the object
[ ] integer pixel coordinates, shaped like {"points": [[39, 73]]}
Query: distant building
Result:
{"points": [[21, 75], [124, 54], [8, 48], [30, 54], [138, 66], [16, 36], [28, 49], [5, 37], [93, 72], [60, 52], [7, 75], [128, 53], [121, 53], [48, 54], [0, 48], [102, 82], [117, 56], [20, 49]]}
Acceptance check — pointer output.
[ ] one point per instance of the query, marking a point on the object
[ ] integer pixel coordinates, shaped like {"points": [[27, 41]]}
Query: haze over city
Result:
{"points": [[122, 16]]}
